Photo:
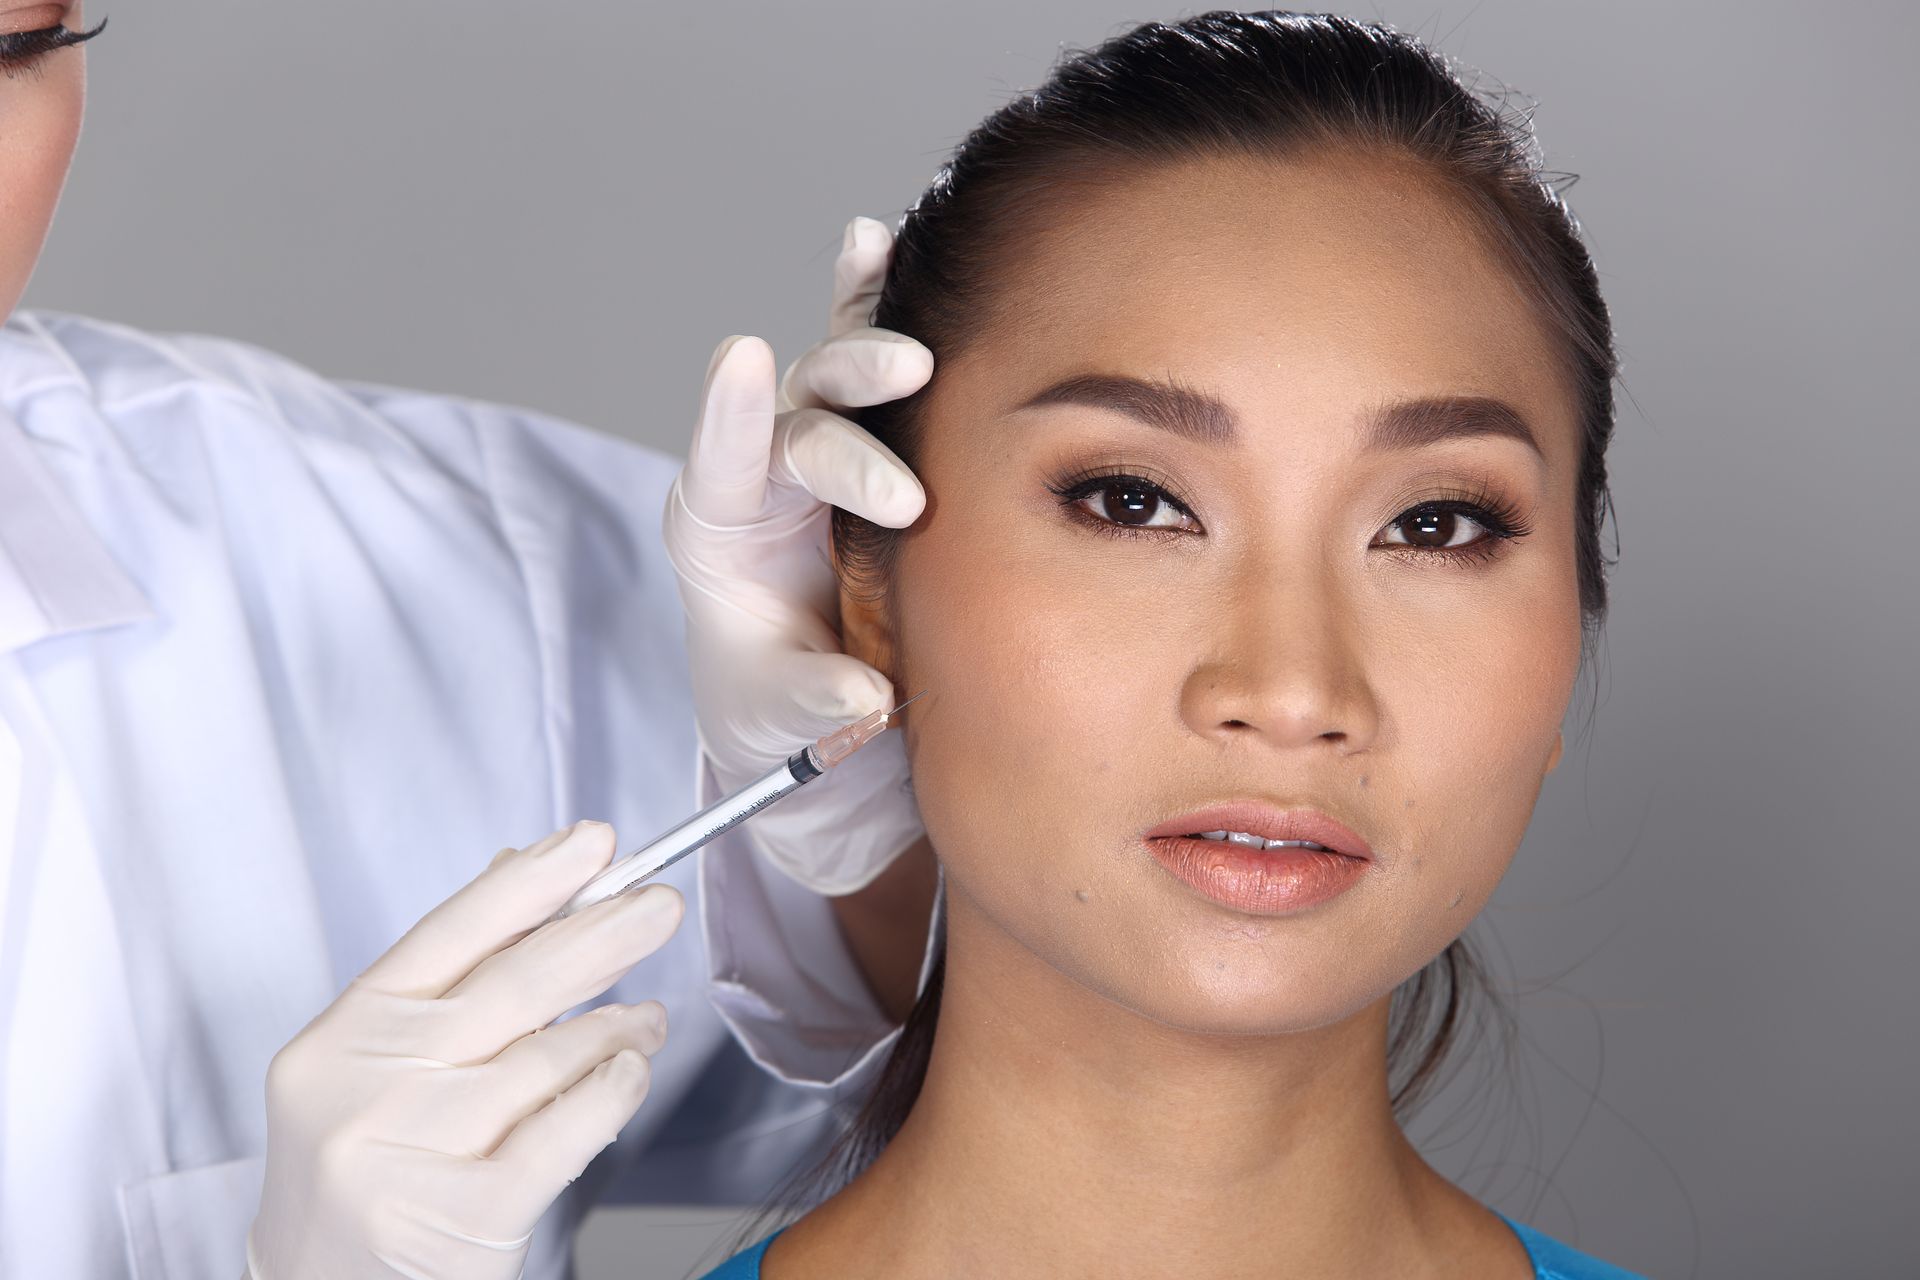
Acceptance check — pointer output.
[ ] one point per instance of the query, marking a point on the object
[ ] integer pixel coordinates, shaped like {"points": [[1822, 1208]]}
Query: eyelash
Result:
{"points": [[22, 50], [1498, 517]]}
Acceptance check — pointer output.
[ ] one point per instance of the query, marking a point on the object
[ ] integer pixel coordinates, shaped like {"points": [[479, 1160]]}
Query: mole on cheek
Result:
{"points": [[1082, 895]]}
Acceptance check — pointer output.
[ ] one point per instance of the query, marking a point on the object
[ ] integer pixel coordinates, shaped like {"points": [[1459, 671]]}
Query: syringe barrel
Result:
{"points": [[677, 842], [834, 747]]}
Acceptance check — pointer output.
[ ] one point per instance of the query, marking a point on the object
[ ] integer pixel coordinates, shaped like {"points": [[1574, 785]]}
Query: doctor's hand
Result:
{"points": [[746, 527], [421, 1125]]}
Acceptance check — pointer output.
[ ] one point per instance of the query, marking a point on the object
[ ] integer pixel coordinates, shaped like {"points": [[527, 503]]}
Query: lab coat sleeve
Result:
{"points": [[780, 972], [599, 589]]}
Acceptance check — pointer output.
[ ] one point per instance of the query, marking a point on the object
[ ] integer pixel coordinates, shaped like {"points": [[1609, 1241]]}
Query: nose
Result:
{"points": [[1285, 664]]}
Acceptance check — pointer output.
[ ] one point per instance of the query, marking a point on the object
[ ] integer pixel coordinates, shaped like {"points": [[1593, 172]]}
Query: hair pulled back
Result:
{"points": [[1234, 86]]}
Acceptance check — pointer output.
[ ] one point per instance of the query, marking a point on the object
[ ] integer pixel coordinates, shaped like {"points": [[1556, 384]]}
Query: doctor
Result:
{"points": [[282, 663]]}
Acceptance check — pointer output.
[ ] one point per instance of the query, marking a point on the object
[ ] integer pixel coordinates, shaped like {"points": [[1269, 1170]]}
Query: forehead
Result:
{"points": [[1323, 283]]}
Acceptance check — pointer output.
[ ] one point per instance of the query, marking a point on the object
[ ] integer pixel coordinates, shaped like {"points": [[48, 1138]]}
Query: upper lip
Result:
{"points": [[1258, 818]]}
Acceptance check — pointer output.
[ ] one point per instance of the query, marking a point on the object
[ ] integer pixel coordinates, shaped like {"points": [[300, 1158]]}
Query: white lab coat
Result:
{"points": [[283, 662], [780, 973]]}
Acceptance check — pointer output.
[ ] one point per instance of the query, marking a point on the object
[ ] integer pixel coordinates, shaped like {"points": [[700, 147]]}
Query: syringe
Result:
{"points": [[803, 766]]}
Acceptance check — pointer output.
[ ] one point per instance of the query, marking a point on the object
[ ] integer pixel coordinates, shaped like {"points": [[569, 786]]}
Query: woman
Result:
{"points": [[281, 661], [1265, 466]]}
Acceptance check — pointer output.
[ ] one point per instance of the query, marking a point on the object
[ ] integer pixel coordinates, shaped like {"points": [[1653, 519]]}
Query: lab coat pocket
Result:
{"points": [[192, 1223]]}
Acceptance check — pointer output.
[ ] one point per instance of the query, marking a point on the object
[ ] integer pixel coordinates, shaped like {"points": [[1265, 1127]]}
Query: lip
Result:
{"points": [[1261, 881], [1263, 820]]}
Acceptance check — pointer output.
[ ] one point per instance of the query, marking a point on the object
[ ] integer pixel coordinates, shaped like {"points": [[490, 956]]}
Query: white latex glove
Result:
{"points": [[421, 1125], [747, 529]]}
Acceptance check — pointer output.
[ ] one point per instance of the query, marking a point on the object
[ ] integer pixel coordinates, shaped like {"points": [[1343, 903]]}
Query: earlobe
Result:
{"points": [[1559, 742]]}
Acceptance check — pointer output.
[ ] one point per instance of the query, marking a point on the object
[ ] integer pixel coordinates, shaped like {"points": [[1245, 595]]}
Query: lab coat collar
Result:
{"points": [[56, 575]]}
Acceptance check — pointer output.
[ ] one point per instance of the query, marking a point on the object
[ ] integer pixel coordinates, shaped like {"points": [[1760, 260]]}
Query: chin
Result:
{"points": [[1211, 993]]}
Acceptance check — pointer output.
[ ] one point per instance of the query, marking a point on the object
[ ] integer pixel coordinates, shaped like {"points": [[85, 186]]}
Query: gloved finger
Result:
{"points": [[725, 479], [828, 690], [552, 969], [537, 1068], [519, 889], [554, 1145], [859, 273], [866, 366], [839, 463], [805, 694]]}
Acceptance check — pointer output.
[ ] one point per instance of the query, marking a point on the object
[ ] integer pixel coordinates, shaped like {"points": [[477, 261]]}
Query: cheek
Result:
{"points": [[1036, 677], [1472, 722], [41, 114]]}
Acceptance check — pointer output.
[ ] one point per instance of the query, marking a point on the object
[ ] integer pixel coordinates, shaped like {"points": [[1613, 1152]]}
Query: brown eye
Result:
{"points": [[1129, 503], [1452, 529], [1134, 503], [1124, 504], [1433, 528]]}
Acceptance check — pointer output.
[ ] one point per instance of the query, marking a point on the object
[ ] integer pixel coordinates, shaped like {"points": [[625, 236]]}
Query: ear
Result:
{"points": [[1559, 742], [866, 630]]}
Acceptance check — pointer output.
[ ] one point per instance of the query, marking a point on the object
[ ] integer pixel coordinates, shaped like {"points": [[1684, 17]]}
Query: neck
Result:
{"points": [[1060, 1133]]}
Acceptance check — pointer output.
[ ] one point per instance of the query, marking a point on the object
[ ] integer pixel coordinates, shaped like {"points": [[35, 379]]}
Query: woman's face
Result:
{"points": [[40, 104], [1279, 631]]}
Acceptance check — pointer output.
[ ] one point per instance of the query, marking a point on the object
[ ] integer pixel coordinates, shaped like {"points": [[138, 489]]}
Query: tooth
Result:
{"points": [[1256, 842]]}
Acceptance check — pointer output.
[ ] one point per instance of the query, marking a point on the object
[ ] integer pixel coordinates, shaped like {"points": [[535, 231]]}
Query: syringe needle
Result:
{"points": [[727, 812], [909, 702]]}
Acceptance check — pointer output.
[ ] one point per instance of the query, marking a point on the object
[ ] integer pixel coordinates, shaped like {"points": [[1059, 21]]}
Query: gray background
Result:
{"points": [[1710, 923]]}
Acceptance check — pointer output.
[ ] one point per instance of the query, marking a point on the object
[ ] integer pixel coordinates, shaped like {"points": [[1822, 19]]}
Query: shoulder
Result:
{"points": [[121, 371], [744, 1265], [1553, 1260], [304, 488], [104, 389], [50, 350], [522, 446]]}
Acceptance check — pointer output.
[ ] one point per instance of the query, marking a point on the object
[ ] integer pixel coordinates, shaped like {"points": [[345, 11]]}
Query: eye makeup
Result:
{"points": [[1140, 490], [1120, 501], [22, 50], [1498, 517]]}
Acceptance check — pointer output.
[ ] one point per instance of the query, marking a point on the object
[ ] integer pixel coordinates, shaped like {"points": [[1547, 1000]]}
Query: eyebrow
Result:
{"points": [[1195, 415]]}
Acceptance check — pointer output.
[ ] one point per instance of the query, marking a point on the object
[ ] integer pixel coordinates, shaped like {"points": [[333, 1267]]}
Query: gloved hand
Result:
{"points": [[421, 1125], [746, 527]]}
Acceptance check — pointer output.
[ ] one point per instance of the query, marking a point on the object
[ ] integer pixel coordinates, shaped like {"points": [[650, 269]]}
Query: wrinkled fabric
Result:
{"points": [[283, 662], [781, 974]]}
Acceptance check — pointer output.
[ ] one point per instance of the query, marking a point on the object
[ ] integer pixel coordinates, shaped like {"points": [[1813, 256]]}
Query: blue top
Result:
{"points": [[1551, 1259]]}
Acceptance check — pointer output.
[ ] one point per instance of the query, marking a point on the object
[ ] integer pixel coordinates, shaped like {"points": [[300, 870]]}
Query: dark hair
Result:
{"points": [[1229, 85]]}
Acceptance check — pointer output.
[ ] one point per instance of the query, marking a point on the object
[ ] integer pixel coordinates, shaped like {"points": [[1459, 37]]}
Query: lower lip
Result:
{"points": [[1262, 881]]}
